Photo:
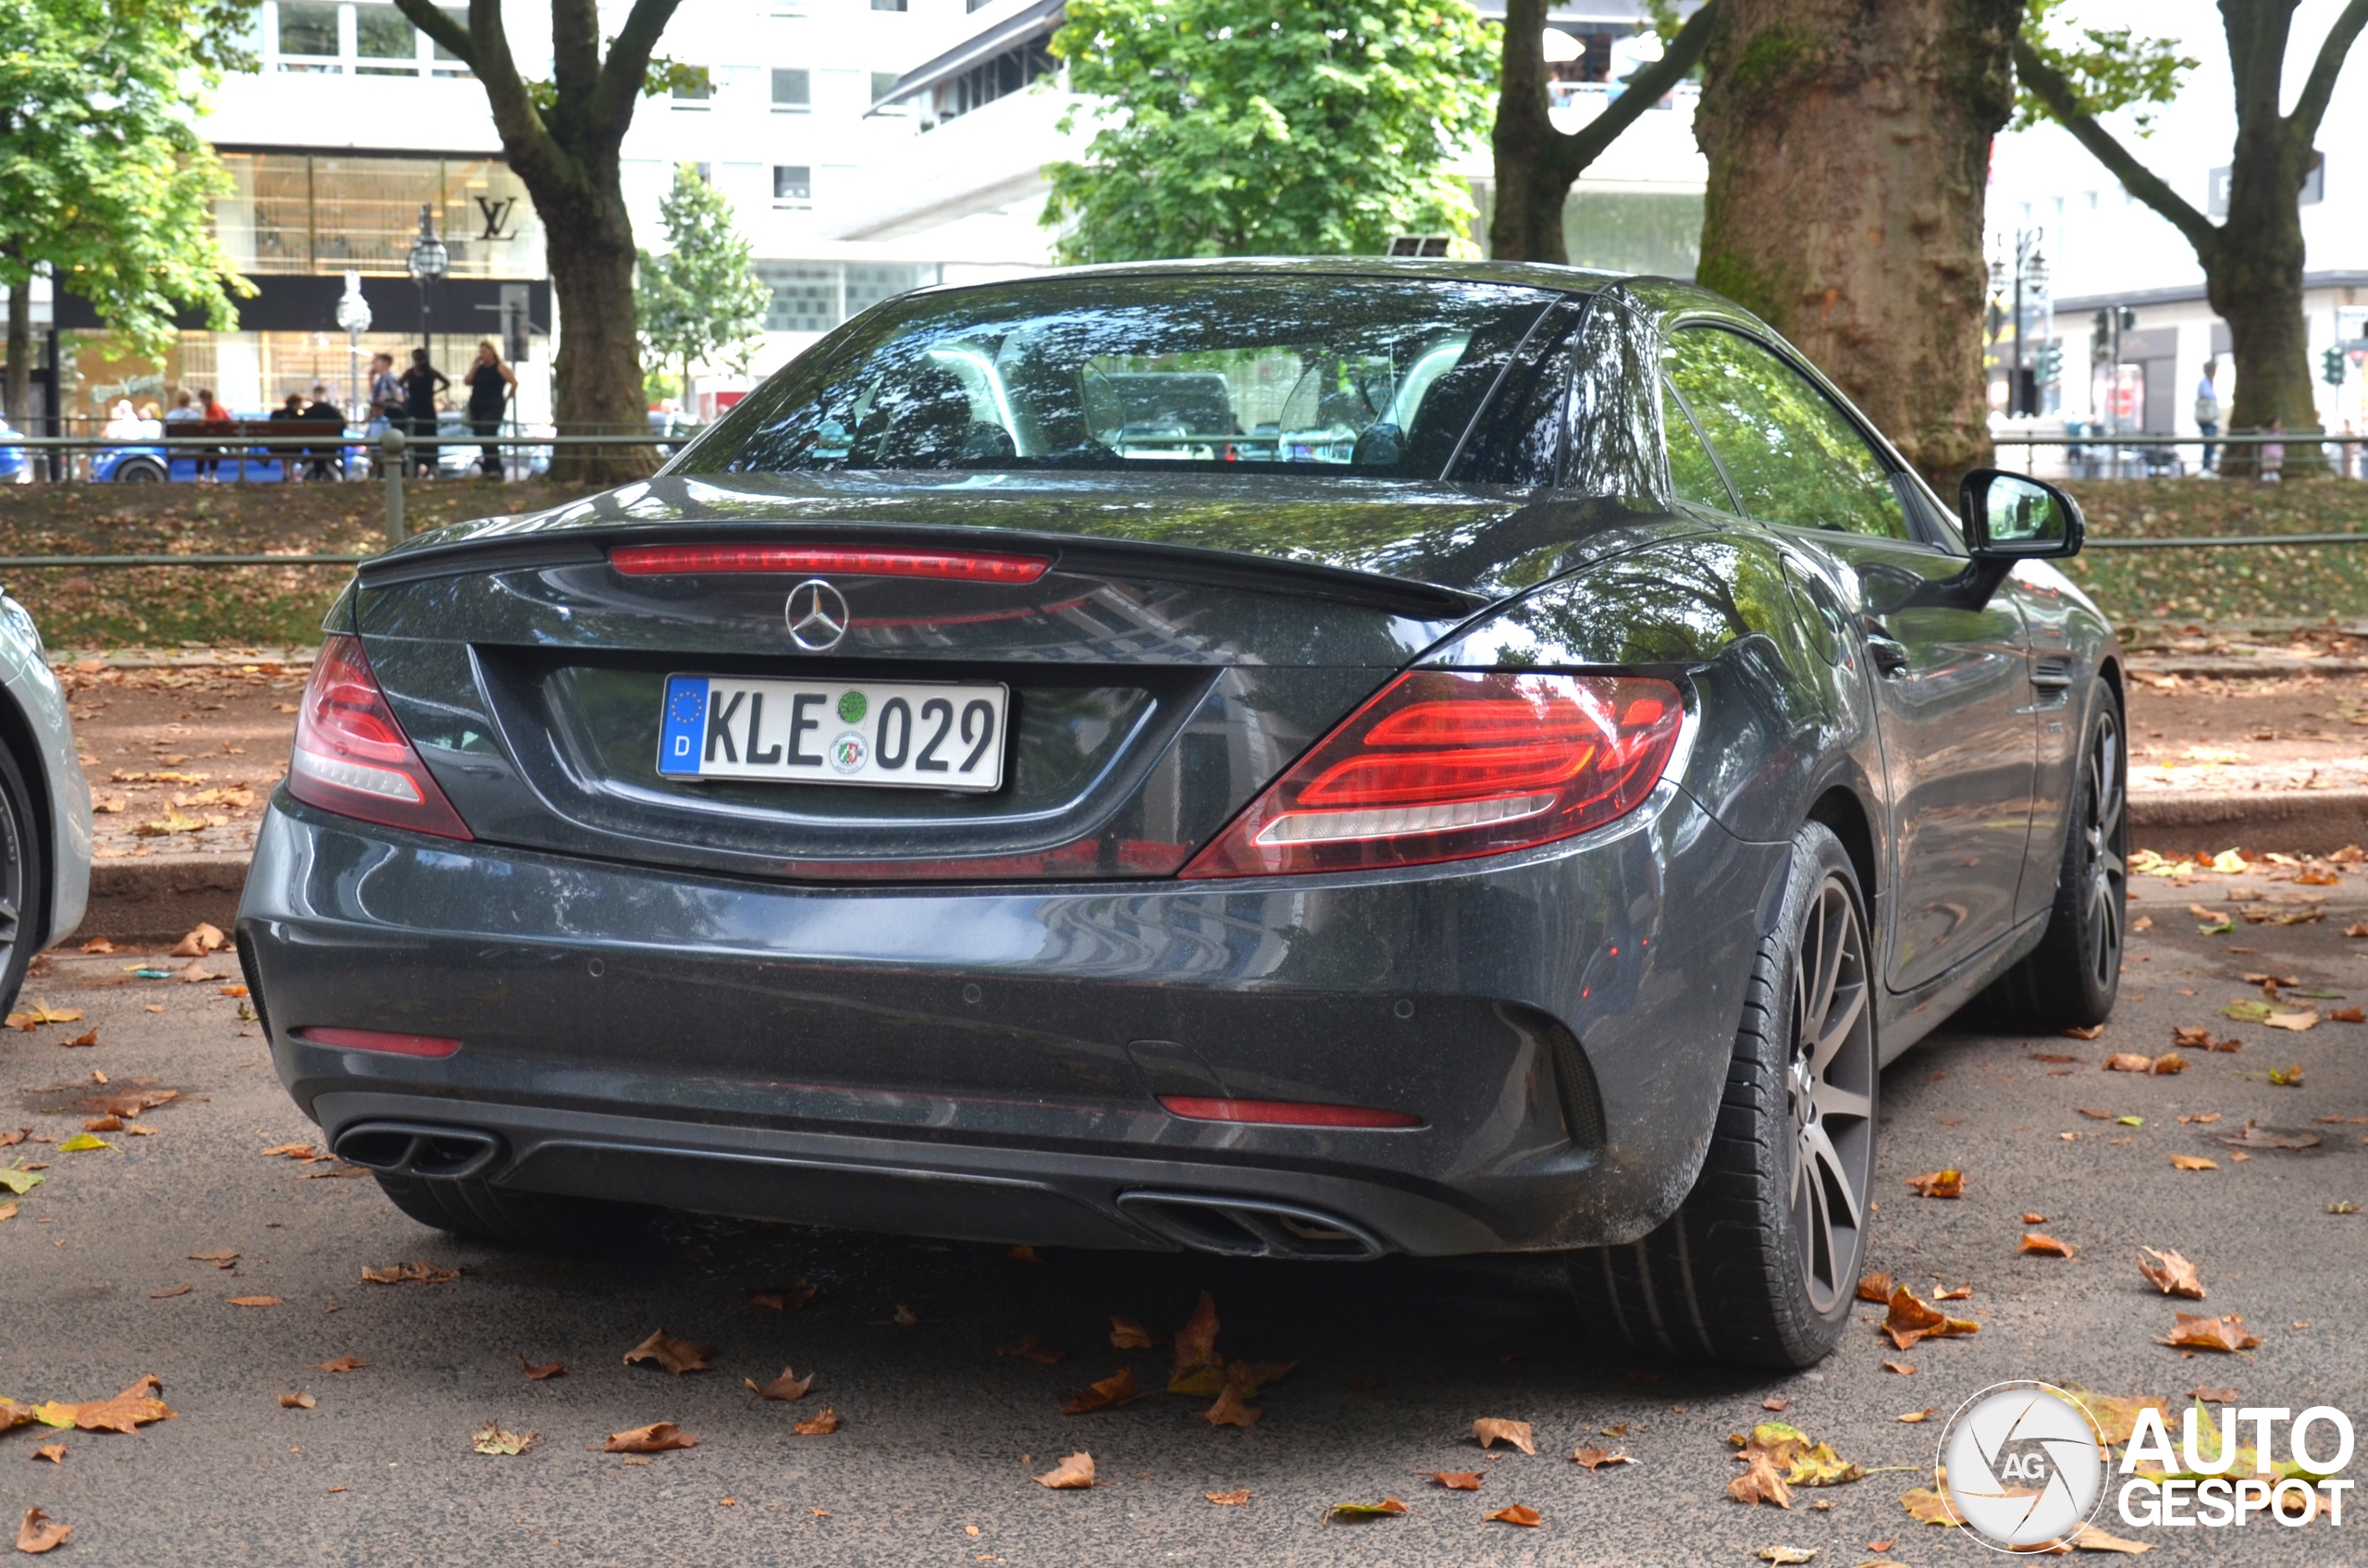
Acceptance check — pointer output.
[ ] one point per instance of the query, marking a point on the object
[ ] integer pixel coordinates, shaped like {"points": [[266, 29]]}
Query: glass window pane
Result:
{"points": [[793, 182], [306, 28], [1236, 375], [883, 83], [1794, 458], [1692, 472], [381, 32], [792, 89]]}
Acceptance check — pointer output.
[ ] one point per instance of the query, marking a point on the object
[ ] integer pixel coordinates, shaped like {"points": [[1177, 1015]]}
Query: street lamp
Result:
{"points": [[2027, 272], [353, 315], [429, 261]]}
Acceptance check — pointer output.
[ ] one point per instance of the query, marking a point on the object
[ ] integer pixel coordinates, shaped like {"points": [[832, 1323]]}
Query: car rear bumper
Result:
{"points": [[985, 1063]]}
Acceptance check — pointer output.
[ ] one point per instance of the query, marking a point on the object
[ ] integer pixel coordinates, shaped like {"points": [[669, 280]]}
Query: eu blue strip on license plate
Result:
{"points": [[894, 733]]}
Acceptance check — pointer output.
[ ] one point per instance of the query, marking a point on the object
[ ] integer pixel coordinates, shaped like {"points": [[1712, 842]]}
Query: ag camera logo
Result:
{"points": [[2021, 1466]]}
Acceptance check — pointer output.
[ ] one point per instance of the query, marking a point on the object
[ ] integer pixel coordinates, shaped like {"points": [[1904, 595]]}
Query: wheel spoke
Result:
{"points": [[1832, 1100], [1831, 933], [1836, 1183], [1838, 1029]]}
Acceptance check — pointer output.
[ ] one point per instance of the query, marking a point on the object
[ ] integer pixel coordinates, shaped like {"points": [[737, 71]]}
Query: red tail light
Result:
{"points": [[968, 566], [1283, 1113], [353, 758], [1443, 765], [379, 1040]]}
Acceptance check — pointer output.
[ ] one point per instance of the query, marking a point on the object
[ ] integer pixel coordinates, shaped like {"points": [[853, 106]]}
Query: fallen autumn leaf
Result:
{"points": [[663, 1350], [818, 1425], [1073, 1474], [1490, 1431], [2195, 1332], [40, 1533], [1457, 1480], [297, 1401], [1108, 1394], [2170, 1273], [788, 1386], [655, 1437], [490, 1438], [2046, 1245], [1939, 1184], [1596, 1459], [1517, 1513]]}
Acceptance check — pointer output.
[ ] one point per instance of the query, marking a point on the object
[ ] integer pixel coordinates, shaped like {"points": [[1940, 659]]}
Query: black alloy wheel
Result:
{"points": [[2070, 979], [1760, 1264]]}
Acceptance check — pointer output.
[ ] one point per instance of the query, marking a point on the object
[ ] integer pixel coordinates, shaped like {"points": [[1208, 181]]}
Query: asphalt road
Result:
{"points": [[941, 1435]]}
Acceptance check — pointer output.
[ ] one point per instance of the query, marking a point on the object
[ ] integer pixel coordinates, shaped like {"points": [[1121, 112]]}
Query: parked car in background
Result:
{"points": [[44, 805], [1501, 770], [16, 464], [240, 458]]}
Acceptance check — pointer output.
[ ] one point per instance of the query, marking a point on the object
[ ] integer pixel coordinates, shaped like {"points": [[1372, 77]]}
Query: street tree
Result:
{"points": [[562, 136], [1536, 162], [1296, 127], [1848, 148], [110, 189], [2253, 261], [700, 303]]}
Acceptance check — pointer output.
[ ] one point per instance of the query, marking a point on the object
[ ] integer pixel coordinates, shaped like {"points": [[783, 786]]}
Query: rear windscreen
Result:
{"points": [[1297, 374]]}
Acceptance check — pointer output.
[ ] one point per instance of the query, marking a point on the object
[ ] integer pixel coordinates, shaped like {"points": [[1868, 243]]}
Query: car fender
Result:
{"points": [[36, 726]]}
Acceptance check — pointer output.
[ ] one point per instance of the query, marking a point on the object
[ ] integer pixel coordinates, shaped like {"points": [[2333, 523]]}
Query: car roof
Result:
{"points": [[1535, 274]]}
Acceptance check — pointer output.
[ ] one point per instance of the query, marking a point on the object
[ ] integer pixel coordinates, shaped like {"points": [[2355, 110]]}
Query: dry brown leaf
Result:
{"points": [[1596, 1459], [2089, 1031], [2094, 1116], [2297, 1022], [1760, 1482], [2034, 1220], [1023, 1254], [197, 944], [1779, 1406], [820, 1425], [677, 1356], [1914, 1417], [54, 1452], [165, 1295], [1035, 1348], [1231, 1409], [2344, 1015], [297, 1401], [2194, 1332], [2193, 1162], [490, 1438], [343, 1363], [219, 1260], [2088, 1537], [2047, 1246], [90, 1037], [1900, 1367], [1788, 1556], [1108, 1394], [2128, 1061], [1911, 1320], [548, 1369], [1364, 1513], [783, 1298], [414, 1273], [98, 945], [905, 1317], [788, 1386], [40, 1533], [1196, 1342], [2214, 1396], [1229, 1500], [1938, 1183], [1927, 1506], [1490, 1430], [256, 1301], [655, 1437], [1962, 1293], [1457, 1480], [2170, 1273], [1874, 1288], [1128, 1335], [127, 1412], [1075, 1473], [1517, 1513]]}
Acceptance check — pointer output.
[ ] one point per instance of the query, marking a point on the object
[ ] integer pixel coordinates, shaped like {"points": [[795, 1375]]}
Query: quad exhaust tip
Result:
{"points": [[403, 1148], [1251, 1228]]}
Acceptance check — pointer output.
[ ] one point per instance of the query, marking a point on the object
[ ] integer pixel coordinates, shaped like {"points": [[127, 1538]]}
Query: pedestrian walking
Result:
{"points": [[2207, 408], [386, 388], [490, 385], [422, 382]]}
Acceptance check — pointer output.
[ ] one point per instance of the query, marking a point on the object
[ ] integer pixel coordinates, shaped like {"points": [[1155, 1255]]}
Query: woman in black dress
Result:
{"points": [[420, 383], [490, 384]]}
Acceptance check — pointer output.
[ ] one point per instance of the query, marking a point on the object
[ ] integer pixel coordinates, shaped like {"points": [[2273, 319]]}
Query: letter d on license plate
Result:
{"points": [[898, 734]]}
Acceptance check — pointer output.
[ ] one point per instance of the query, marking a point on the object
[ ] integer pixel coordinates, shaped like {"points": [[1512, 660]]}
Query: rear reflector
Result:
{"points": [[379, 1040], [1443, 764], [352, 757], [1283, 1113], [967, 566]]}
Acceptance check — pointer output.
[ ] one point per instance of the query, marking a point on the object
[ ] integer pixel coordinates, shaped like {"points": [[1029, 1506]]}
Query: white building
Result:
{"points": [[2110, 258]]}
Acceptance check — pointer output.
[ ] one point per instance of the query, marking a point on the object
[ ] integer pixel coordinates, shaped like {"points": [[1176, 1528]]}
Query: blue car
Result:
{"points": [[142, 463], [16, 464]]}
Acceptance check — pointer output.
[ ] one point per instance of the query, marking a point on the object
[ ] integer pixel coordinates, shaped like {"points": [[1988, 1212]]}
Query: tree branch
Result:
{"points": [[486, 47], [2319, 87], [2050, 88], [1577, 149], [442, 29], [628, 65], [575, 53]]}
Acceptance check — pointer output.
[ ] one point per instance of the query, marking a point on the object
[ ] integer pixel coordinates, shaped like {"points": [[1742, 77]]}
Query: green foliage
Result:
{"points": [[666, 76], [2109, 68], [701, 300], [1296, 127], [110, 187]]}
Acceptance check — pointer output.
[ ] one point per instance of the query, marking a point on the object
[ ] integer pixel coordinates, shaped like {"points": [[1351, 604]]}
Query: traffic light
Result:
{"points": [[2050, 363], [2331, 367]]}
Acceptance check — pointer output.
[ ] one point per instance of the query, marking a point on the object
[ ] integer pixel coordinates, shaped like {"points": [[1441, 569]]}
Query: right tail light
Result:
{"points": [[1442, 765]]}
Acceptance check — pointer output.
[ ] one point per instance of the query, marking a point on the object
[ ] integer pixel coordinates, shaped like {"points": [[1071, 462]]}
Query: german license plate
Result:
{"points": [[911, 735]]}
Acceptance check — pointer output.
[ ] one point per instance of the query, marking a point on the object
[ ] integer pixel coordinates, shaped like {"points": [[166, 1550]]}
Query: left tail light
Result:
{"points": [[1442, 765], [352, 757]]}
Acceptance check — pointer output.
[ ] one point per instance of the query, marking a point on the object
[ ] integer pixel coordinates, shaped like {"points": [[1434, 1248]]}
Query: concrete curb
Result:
{"points": [[161, 897]]}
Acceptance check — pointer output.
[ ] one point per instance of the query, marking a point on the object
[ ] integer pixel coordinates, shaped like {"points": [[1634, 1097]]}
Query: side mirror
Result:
{"points": [[2011, 517]]}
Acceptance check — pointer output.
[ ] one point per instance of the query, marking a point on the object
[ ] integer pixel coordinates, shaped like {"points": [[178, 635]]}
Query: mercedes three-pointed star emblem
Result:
{"points": [[818, 616]]}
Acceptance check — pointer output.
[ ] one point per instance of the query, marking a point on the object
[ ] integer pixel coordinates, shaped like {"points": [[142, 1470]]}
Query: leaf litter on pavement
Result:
{"points": [[1910, 1321]]}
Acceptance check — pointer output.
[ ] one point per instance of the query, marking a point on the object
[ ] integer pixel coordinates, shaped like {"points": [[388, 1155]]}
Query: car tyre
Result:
{"points": [[1760, 1262], [139, 471], [24, 882], [544, 1221], [2069, 981]]}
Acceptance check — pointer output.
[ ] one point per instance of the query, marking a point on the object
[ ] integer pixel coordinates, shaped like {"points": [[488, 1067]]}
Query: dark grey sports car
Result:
{"points": [[1311, 759]]}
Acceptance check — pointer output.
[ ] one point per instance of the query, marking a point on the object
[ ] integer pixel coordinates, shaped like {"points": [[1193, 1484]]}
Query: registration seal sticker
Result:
{"points": [[852, 708], [850, 751]]}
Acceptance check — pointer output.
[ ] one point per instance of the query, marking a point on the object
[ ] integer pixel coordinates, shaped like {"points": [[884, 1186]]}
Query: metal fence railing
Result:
{"points": [[388, 459], [2130, 454]]}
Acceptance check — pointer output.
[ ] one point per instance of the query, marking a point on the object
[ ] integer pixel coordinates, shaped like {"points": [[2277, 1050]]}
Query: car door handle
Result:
{"points": [[1888, 653]]}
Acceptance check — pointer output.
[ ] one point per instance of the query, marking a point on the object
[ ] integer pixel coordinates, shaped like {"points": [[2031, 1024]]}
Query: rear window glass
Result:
{"points": [[1301, 374]]}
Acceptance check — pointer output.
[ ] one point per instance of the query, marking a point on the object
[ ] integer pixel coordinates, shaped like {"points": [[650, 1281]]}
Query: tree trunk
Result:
{"points": [[19, 392], [2254, 277], [1527, 222], [1848, 146], [597, 374]]}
